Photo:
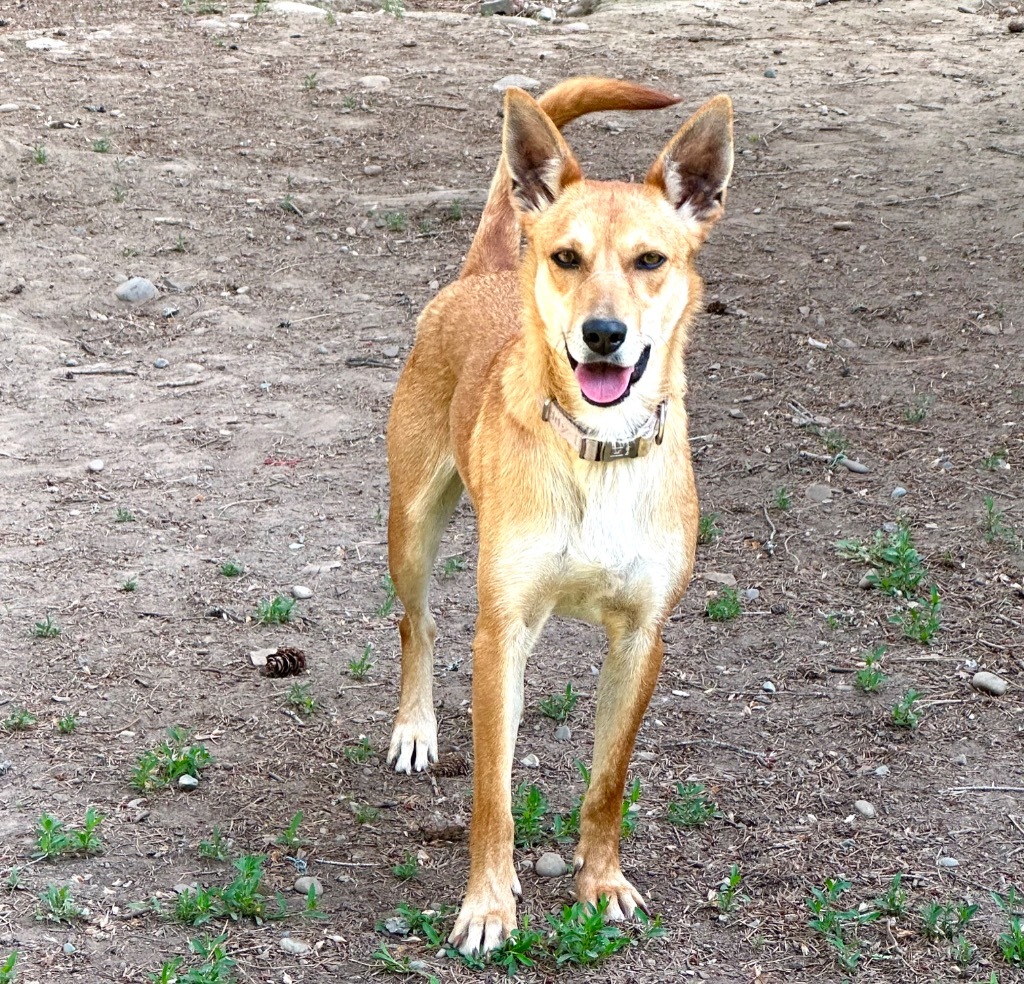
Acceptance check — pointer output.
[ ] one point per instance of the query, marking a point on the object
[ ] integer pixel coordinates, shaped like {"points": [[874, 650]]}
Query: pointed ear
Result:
{"points": [[694, 168], [539, 161]]}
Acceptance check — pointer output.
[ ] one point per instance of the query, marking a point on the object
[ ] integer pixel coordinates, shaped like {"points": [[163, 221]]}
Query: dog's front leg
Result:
{"points": [[624, 691], [488, 911]]}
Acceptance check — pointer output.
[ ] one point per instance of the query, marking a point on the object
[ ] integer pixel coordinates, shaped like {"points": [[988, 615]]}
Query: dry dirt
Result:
{"points": [[235, 179]]}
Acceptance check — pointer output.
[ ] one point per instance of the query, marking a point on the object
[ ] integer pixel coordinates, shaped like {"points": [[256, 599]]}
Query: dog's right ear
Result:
{"points": [[539, 161]]}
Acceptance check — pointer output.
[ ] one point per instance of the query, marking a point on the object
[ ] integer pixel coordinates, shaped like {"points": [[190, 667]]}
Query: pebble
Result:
{"points": [[530, 761], [898, 493], [960, 759], [545, 14], [865, 809], [375, 81], [9, 108], [563, 732], [397, 926], [948, 863], [519, 81], [188, 783], [372, 170], [751, 594], [301, 592], [294, 947], [96, 465], [1015, 26], [307, 882], [844, 225], [989, 683], [882, 771], [390, 352], [322, 350], [819, 493], [491, 7], [136, 290], [287, 7], [770, 73], [160, 363], [45, 44], [550, 865], [768, 687], [727, 580], [71, 363]]}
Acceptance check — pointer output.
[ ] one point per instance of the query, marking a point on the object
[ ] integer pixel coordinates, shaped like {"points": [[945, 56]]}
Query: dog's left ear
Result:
{"points": [[694, 168], [539, 161]]}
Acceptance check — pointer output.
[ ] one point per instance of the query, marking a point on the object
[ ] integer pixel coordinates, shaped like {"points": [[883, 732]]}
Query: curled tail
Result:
{"points": [[495, 247]]}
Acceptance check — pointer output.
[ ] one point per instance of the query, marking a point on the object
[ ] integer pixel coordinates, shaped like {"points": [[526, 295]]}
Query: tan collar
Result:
{"points": [[591, 449]]}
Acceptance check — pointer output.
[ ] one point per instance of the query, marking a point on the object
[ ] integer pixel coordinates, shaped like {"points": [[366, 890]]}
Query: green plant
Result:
{"points": [[407, 868], [180, 244], [216, 966], [835, 442], [724, 606], [39, 154], [904, 714], [581, 935], [129, 585], [216, 847], [361, 666], [59, 905], [275, 611], [359, 753], [692, 806], [311, 81], [558, 707], [962, 950], [452, 566], [893, 901], [783, 499], [454, 211], [242, 898], [288, 205], [301, 699], [870, 678], [364, 813], [51, 838], [387, 606], [169, 761], [1011, 942], [101, 146], [389, 962], [47, 629], [7, 968], [996, 461], [289, 837], [120, 194], [395, 221], [13, 881], [946, 920], [19, 720], [996, 529], [349, 103], [920, 619], [394, 7], [425, 923], [520, 950], [708, 529], [898, 566], [729, 891], [835, 923], [529, 807], [230, 569], [123, 515], [918, 410]]}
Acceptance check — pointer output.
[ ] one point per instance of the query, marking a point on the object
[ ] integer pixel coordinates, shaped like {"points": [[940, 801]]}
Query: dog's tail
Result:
{"points": [[495, 246]]}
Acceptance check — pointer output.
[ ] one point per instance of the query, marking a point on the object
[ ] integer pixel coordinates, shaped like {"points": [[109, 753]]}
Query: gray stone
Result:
{"points": [[301, 592], [45, 44], [307, 882], [563, 732], [550, 865], [768, 687], [322, 350], [948, 863], [898, 493], [96, 465], [865, 809], [9, 108], [390, 352], [843, 225], [490, 7], [819, 493], [294, 947], [71, 363], [519, 81], [375, 82], [290, 8], [530, 761], [397, 926], [136, 291], [882, 771], [188, 783], [751, 594], [545, 14], [160, 363], [960, 759], [989, 683], [770, 73], [372, 170]]}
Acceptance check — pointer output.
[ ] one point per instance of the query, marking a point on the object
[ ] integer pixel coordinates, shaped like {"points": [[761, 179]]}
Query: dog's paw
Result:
{"points": [[486, 919], [623, 898], [413, 745]]}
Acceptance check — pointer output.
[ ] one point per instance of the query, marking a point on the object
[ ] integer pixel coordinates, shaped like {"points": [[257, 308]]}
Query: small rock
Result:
{"points": [[563, 732], [419, 967], [727, 580], [550, 865], [768, 687], [519, 81], [294, 947], [160, 363], [530, 761], [819, 493], [1015, 26], [322, 350], [375, 82], [69, 948], [45, 44], [294, 9], [397, 926], [545, 14], [136, 291], [770, 73], [843, 225], [490, 7], [960, 759], [71, 363], [372, 170], [751, 594], [390, 352], [989, 683], [779, 608], [865, 809], [882, 771], [898, 493], [301, 592], [307, 882], [96, 465], [9, 108], [188, 783], [948, 863]]}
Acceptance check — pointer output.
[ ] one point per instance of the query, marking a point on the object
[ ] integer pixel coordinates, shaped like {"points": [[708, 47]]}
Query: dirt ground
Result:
{"points": [[297, 189]]}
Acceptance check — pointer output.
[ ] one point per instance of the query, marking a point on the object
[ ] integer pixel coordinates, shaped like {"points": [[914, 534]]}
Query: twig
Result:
{"points": [[368, 362], [347, 864], [1005, 150], [178, 383], [927, 198], [833, 460], [983, 789], [102, 370], [769, 544], [434, 105]]}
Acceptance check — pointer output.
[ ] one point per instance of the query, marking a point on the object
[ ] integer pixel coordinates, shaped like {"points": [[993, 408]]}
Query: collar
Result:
{"points": [[652, 431]]}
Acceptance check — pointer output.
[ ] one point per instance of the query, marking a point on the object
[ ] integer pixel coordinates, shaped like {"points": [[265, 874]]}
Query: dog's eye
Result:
{"points": [[649, 261], [567, 259]]}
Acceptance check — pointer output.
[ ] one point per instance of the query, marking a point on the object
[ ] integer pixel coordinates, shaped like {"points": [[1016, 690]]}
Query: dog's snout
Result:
{"points": [[603, 335]]}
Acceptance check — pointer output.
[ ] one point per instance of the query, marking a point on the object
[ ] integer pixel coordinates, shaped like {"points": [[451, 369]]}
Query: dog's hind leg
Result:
{"points": [[425, 488], [624, 690]]}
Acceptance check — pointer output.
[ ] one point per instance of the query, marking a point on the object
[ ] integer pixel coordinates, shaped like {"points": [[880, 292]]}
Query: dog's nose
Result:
{"points": [[603, 335]]}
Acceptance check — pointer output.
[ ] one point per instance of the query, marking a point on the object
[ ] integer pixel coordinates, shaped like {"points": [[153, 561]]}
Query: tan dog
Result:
{"points": [[548, 382]]}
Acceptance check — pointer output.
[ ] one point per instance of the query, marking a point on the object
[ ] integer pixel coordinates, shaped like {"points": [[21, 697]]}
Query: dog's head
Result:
{"points": [[608, 270]]}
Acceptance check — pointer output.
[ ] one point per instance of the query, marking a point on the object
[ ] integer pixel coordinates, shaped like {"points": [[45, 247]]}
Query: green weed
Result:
{"points": [[216, 848], [996, 529], [47, 629], [729, 891], [893, 901], [394, 7], [521, 950], [920, 620], [216, 966], [835, 442], [274, 611], [58, 905], [359, 753], [870, 678], [946, 920], [452, 566], [407, 868], [39, 155], [169, 761], [129, 585], [582, 937], [918, 410], [898, 566], [7, 968], [529, 807], [101, 146], [783, 499], [387, 606], [724, 606], [904, 714], [708, 529], [630, 809], [242, 898], [358, 668], [289, 837], [395, 221], [311, 81], [558, 707], [123, 515], [301, 699], [19, 720], [230, 569], [288, 205], [1011, 942], [692, 806], [454, 211], [996, 461], [836, 924], [364, 813]]}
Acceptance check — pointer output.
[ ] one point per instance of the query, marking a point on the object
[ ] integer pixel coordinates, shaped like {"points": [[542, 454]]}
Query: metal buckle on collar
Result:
{"points": [[592, 449]]}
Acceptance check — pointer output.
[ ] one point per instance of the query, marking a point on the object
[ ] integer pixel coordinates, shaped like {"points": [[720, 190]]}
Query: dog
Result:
{"points": [[548, 383]]}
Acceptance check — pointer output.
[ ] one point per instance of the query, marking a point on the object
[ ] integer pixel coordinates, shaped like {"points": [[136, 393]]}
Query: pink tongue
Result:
{"points": [[601, 382]]}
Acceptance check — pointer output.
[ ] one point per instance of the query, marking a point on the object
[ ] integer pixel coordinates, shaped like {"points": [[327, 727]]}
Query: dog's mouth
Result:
{"points": [[605, 384]]}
